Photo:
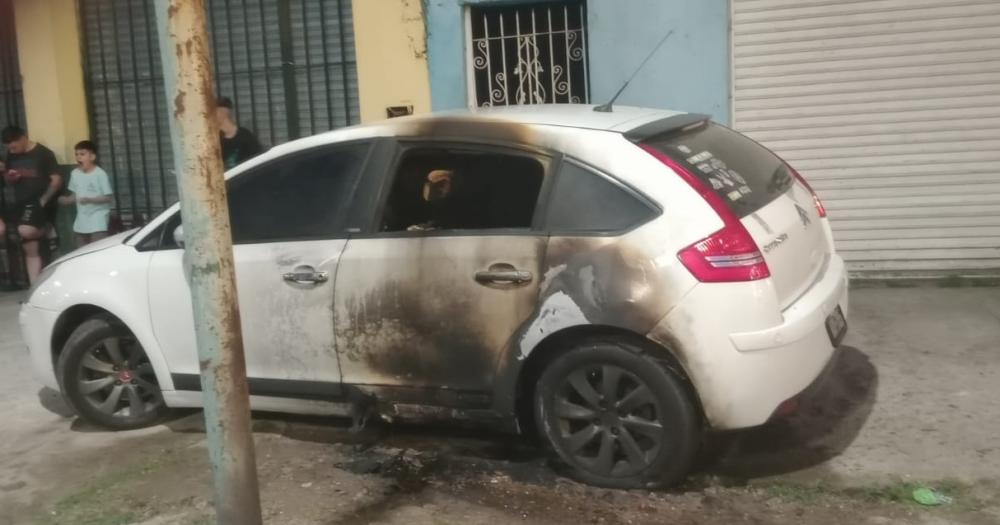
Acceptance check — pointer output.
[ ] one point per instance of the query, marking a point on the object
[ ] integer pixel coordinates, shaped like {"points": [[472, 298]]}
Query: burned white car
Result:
{"points": [[615, 281]]}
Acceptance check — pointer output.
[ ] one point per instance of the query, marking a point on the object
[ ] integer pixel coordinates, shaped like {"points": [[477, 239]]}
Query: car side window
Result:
{"points": [[305, 196], [447, 189], [585, 202]]}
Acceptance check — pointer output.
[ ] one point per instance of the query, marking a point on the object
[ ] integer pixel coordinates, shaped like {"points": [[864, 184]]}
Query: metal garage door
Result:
{"points": [[288, 65], [892, 109]]}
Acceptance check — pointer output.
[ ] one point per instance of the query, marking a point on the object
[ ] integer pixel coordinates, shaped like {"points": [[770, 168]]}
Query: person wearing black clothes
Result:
{"points": [[238, 143], [32, 171]]}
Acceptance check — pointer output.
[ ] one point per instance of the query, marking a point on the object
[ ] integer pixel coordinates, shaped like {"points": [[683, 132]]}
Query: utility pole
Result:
{"points": [[208, 258]]}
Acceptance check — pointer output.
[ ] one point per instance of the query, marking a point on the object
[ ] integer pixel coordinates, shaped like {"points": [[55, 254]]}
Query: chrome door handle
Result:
{"points": [[306, 275], [504, 277]]}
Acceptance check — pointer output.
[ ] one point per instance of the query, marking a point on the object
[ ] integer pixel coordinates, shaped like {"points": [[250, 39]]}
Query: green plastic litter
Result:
{"points": [[930, 497]]}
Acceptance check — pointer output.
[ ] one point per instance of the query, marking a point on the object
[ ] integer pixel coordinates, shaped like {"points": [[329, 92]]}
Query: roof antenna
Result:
{"points": [[606, 108]]}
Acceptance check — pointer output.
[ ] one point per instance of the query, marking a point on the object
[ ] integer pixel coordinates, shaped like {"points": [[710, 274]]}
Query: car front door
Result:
{"points": [[288, 219], [448, 272]]}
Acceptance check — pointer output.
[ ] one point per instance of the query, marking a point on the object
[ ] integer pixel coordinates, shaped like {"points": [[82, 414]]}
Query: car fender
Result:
{"points": [[113, 279]]}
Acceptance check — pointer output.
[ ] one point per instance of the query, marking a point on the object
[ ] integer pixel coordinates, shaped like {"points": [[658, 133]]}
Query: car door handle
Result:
{"points": [[504, 276], [306, 275]]}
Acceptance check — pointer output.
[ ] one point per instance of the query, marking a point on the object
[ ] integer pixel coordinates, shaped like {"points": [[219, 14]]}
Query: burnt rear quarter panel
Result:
{"points": [[614, 284]]}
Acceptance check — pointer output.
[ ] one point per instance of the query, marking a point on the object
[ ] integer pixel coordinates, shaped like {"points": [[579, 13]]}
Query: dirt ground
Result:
{"points": [[914, 400]]}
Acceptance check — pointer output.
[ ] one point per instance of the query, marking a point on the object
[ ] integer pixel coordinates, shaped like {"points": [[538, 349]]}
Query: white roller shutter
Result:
{"points": [[891, 108]]}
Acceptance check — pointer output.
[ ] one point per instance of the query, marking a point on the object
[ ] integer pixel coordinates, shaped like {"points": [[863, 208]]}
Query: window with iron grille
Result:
{"points": [[11, 112], [529, 53], [11, 101], [288, 65]]}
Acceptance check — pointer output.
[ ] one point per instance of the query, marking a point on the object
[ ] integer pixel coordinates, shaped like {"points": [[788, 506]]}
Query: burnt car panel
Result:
{"points": [[410, 312], [624, 283]]}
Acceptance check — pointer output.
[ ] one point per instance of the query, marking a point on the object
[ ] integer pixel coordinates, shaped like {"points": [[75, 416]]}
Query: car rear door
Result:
{"points": [[432, 295]]}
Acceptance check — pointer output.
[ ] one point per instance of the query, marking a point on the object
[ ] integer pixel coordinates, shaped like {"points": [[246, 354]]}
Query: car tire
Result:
{"points": [[106, 377], [616, 417]]}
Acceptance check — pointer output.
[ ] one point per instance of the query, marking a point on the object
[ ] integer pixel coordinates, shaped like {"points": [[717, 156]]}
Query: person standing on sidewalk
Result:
{"points": [[32, 170], [238, 143], [92, 194]]}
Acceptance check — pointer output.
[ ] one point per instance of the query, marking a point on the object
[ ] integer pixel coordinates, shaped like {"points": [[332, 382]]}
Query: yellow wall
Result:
{"points": [[391, 50], [48, 45]]}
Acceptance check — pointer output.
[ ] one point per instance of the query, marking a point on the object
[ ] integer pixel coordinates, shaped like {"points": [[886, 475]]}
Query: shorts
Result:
{"points": [[33, 214]]}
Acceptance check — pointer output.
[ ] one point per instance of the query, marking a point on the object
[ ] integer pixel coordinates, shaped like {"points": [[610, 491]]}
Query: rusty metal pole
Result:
{"points": [[208, 258]]}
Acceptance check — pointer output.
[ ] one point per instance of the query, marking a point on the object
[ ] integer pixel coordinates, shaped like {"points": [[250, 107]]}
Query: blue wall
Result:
{"points": [[689, 73]]}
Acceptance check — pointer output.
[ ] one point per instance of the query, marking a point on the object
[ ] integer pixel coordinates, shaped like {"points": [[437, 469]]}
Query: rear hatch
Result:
{"points": [[776, 209]]}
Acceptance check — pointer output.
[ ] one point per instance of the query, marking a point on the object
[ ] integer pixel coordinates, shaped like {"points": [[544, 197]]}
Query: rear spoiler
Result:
{"points": [[670, 124]]}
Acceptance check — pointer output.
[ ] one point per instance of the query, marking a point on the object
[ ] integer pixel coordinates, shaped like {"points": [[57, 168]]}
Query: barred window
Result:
{"points": [[529, 53]]}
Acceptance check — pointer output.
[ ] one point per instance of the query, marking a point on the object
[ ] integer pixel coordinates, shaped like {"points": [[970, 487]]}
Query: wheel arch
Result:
{"points": [[69, 321], [564, 340], [71, 318]]}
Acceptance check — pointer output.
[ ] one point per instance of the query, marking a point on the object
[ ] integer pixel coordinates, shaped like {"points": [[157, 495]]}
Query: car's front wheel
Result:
{"points": [[617, 417], [106, 377]]}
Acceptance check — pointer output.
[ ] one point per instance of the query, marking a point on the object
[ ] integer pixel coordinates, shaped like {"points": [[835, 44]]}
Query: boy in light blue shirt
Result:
{"points": [[92, 195]]}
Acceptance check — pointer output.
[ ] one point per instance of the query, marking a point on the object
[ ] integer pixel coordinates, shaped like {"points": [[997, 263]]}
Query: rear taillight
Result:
{"points": [[728, 255], [820, 209]]}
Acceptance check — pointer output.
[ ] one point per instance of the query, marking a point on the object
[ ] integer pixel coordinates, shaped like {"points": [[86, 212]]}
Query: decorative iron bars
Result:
{"points": [[529, 53], [288, 65], [11, 112], [11, 101]]}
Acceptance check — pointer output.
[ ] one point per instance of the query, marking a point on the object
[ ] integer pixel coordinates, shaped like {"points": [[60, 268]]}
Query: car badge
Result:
{"points": [[803, 215]]}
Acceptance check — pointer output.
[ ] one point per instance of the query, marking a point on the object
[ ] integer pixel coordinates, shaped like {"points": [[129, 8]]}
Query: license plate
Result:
{"points": [[836, 326]]}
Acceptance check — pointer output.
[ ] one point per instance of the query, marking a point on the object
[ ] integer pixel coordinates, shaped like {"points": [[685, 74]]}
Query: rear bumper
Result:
{"points": [[804, 316], [743, 357], [36, 330]]}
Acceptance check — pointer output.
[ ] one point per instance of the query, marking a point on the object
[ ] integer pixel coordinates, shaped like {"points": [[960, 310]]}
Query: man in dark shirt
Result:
{"points": [[238, 143], [32, 171]]}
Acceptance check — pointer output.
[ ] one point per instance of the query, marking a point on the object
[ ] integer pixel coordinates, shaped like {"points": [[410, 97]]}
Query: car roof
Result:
{"points": [[580, 116], [565, 115]]}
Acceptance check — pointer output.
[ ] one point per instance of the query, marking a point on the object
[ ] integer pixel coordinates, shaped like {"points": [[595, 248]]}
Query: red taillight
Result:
{"points": [[820, 209], [728, 255]]}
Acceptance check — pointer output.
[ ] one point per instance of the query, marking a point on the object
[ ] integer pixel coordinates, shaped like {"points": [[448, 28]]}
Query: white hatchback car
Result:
{"points": [[617, 281]]}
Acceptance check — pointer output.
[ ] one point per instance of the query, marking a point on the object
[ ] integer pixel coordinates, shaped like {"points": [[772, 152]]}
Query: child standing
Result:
{"points": [[91, 192]]}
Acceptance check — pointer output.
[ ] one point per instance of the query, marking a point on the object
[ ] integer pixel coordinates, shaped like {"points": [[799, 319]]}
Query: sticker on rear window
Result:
{"points": [[684, 149], [716, 184], [701, 157], [724, 177], [705, 167], [735, 195]]}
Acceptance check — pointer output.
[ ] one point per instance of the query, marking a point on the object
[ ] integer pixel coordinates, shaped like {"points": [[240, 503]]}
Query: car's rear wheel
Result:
{"points": [[107, 378], [616, 417]]}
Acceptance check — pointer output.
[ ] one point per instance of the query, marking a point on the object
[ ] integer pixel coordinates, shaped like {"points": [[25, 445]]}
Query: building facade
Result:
{"points": [[889, 107], [91, 69]]}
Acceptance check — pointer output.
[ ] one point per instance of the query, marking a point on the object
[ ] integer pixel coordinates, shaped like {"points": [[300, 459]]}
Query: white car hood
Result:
{"points": [[97, 246]]}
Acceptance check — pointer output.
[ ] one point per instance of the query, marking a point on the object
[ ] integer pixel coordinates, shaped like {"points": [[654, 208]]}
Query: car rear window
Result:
{"points": [[746, 175]]}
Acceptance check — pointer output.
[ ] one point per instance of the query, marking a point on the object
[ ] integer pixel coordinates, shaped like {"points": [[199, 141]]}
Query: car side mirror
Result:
{"points": [[179, 235]]}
